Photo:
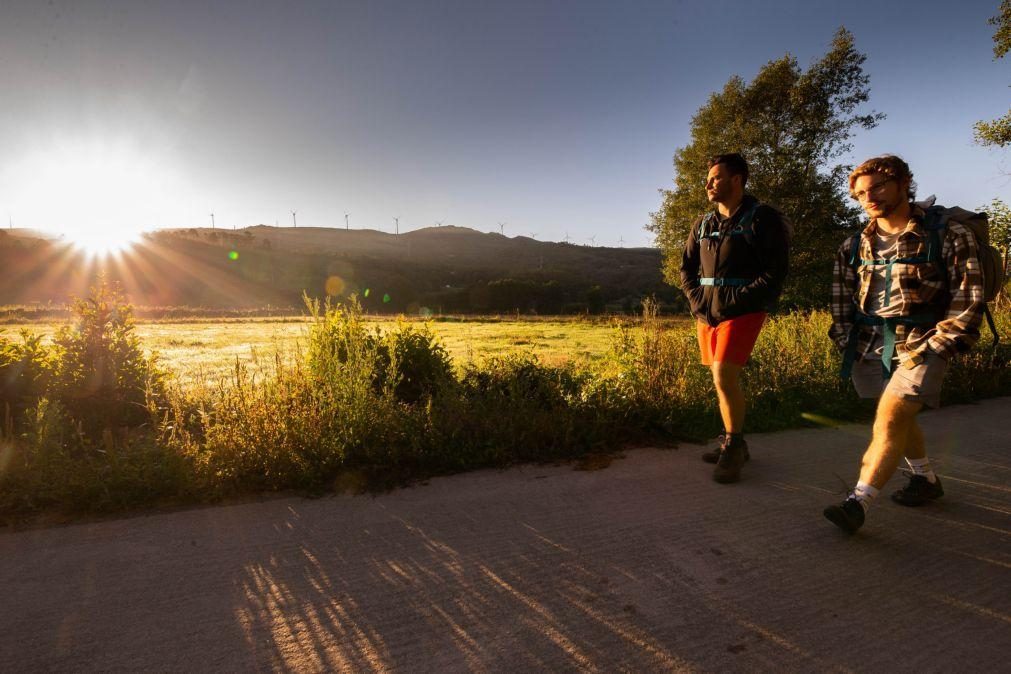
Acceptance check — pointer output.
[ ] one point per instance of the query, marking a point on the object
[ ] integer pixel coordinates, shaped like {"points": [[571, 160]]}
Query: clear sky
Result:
{"points": [[553, 117]]}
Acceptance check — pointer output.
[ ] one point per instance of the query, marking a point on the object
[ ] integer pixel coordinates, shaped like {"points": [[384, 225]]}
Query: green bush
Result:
{"points": [[413, 363], [408, 363], [46, 467], [26, 374], [514, 408], [102, 376], [70, 439]]}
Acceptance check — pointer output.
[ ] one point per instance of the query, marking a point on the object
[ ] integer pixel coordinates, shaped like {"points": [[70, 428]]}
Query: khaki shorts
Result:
{"points": [[920, 384]]}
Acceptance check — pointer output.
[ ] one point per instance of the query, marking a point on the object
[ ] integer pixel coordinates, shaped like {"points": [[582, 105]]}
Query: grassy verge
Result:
{"points": [[91, 424], [207, 349]]}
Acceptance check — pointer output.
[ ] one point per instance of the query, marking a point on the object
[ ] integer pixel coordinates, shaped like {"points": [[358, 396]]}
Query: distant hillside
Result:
{"points": [[440, 269]]}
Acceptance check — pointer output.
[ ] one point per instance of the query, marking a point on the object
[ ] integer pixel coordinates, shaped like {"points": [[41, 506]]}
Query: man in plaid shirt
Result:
{"points": [[900, 311]]}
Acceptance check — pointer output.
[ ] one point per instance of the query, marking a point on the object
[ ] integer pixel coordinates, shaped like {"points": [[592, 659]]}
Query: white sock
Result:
{"points": [[864, 494], [922, 467]]}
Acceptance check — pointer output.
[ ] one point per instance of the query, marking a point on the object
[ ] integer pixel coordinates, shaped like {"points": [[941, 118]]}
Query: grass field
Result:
{"points": [[201, 350]]}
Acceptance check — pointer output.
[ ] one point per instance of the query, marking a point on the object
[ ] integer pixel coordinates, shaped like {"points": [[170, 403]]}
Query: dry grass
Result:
{"points": [[208, 349]]}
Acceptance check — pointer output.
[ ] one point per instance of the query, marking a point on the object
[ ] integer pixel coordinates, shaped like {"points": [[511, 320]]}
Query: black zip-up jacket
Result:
{"points": [[761, 256]]}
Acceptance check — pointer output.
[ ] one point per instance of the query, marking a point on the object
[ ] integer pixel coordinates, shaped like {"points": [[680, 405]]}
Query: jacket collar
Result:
{"points": [[746, 204]]}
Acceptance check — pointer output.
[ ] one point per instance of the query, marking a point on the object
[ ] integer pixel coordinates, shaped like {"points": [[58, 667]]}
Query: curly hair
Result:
{"points": [[888, 165]]}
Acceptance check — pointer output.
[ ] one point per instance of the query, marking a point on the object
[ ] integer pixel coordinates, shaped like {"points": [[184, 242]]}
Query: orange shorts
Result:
{"points": [[732, 340]]}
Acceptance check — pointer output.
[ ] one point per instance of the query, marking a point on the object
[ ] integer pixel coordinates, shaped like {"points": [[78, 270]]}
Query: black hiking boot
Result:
{"points": [[713, 455], [848, 516], [728, 465], [918, 491]]}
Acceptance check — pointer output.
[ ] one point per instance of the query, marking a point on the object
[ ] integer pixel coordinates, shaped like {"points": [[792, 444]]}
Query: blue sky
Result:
{"points": [[552, 117]]}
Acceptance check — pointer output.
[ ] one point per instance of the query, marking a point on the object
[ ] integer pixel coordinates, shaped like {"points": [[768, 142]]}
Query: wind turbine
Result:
{"points": [[396, 225], [533, 235], [621, 242], [212, 221], [501, 228], [592, 240], [438, 223], [567, 237], [346, 225], [294, 222]]}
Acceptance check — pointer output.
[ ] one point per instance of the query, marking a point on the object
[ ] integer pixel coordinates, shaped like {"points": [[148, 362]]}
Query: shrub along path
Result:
{"points": [[645, 565]]}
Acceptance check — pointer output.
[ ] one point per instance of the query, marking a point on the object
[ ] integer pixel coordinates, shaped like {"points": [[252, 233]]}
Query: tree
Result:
{"points": [[791, 125], [999, 215], [998, 132]]}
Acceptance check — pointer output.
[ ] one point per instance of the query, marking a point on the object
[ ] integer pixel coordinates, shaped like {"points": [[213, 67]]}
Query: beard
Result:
{"points": [[885, 209]]}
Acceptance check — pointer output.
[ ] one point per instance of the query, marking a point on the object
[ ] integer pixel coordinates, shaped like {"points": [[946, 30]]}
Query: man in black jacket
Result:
{"points": [[732, 270]]}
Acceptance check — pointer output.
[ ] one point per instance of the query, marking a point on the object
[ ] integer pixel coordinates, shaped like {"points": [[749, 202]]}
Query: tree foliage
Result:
{"points": [[792, 126], [998, 131], [999, 214]]}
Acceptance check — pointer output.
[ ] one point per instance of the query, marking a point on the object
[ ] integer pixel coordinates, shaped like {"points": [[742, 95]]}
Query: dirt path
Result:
{"points": [[644, 566]]}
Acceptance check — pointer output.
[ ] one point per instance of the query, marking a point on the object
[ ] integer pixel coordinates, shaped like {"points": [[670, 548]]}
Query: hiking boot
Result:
{"points": [[918, 491], [848, 516], [728, 465], [713, 455]]}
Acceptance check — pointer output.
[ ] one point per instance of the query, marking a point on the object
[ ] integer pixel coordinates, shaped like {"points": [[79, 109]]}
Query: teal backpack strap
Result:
{"points": [[723, 281], [850, 354], [746, 221], [746, 225], [888, 333], [855, 251], [706, 229]]}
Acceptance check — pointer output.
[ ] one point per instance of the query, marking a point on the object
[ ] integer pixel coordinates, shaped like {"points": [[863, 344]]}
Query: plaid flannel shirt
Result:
{"points": [[956, 297]]}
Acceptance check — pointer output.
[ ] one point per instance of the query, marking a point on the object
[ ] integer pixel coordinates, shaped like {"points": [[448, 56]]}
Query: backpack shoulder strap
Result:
{"points": [[705, 226], [855, 251], [748, 219], [746, 225], [935, 221]]}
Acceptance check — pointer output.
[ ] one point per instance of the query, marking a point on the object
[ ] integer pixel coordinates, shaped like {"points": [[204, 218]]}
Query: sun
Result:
{"points": [[98, 195], [103, 244]]}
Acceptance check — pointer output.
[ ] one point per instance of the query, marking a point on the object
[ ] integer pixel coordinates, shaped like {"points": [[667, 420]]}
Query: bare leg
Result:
{"points": [[727, 378], [894, 429], [915, 446]]}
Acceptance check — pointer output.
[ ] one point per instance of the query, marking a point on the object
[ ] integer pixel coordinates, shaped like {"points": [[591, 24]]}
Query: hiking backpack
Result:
{"points": [[935, 221]]}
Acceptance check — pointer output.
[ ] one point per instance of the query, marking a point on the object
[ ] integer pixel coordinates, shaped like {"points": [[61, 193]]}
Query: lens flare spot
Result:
{"points": [[386, 298], [366, 293], [335, 286], [821, 420], [233, 255]]}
